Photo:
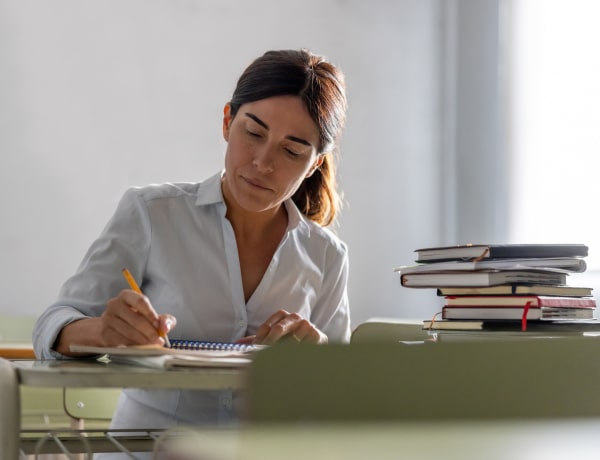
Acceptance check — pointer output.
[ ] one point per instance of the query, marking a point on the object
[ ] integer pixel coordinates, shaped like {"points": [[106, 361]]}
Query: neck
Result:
{"points": [[254, 226]]}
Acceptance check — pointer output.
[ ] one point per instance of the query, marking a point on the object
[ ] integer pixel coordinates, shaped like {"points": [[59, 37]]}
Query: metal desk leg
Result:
{"points": [[10, 411]]}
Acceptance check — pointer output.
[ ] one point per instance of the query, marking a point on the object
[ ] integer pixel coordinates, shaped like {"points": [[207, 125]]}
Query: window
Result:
{"points": [[554, 123]]}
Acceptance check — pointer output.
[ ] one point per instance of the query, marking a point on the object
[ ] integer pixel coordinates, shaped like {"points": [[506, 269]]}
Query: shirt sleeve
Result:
{"points": [[124, 242], [332, 312]]}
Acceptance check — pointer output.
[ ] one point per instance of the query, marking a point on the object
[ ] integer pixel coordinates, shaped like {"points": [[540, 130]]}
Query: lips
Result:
{"points": [[255, 183]]}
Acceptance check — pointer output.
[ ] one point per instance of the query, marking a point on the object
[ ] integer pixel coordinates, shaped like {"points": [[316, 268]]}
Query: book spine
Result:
{"points": [[570, 302], [538, 251], [520, 301]]}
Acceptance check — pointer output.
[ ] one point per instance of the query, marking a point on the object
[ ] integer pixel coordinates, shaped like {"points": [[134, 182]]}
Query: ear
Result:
{"points": [[227, 118], [318, 162]]}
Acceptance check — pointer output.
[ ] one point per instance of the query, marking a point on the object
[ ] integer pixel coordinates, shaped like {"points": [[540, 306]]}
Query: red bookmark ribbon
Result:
{"points": [[524, 317]]}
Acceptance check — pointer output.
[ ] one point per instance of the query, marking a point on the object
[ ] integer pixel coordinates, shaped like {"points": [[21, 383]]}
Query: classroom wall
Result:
{"points": [[100, 95]]}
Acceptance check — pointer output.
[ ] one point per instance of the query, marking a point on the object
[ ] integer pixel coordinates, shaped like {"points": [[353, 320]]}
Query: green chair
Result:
{"points": [[458, 380], [406, 331], [93, 407], [57, 408]]}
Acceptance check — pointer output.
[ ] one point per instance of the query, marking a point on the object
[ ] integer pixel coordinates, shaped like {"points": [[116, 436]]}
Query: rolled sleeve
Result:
{"points": [[124, 242]]}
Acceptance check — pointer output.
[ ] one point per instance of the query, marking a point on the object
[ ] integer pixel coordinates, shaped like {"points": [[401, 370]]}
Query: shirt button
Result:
{"points": [[241, 323]]}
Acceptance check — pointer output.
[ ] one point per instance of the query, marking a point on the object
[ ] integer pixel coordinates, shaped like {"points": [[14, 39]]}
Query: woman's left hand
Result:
{"points": [[283, 324]]}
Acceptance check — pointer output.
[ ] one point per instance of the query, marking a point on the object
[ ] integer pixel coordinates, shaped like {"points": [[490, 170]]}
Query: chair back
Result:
{"points": [[456, 380], [407, 331]]}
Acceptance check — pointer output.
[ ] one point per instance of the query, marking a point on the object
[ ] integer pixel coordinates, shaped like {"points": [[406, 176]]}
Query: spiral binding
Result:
{"points": [[204, 345]]}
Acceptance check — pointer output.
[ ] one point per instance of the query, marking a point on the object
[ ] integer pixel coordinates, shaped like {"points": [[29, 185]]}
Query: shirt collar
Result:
{"points": [[295, 218], [209, 191]]}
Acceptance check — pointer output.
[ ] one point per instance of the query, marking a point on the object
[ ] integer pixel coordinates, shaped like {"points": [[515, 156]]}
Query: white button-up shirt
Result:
{"points": [[176, 241]]}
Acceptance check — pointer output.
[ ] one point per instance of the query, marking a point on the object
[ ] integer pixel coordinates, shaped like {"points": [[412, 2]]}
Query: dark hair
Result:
{"points": [[321, 87]]}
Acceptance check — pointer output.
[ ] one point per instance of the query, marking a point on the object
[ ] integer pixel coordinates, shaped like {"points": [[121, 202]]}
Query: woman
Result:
{"points": [[242, 256]]}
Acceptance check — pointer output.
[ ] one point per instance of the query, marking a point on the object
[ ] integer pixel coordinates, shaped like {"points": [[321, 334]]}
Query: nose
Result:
{"points": [[264, 159]]}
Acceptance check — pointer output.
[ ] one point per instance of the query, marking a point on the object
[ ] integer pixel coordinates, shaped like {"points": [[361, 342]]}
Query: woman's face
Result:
{"points": [[271, 148]]}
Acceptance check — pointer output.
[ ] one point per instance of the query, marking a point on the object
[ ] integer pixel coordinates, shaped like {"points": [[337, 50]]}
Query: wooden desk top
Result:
{"points": [[16, 350]]}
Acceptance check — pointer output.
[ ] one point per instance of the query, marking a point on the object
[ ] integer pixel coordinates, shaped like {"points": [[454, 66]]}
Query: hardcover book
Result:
{"points": [[518, 289], [575, 326], [493, 251], [517, 313], [569, 264], [481, 278], [520, 301]]}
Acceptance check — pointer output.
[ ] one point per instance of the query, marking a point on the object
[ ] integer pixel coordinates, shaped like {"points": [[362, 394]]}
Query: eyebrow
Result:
{"points": [[264, 125]]}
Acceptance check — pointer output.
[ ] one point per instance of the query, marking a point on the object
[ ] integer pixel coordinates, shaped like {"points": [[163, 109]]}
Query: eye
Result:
{"points": [[292, 154], [252, 133]]}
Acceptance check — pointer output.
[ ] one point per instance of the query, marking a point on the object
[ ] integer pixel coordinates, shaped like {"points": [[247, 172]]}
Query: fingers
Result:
{"points": [[307, 332], [130, 319], [248, 340], [290, 325], [270, 329], [166, 323], [140, 304]]}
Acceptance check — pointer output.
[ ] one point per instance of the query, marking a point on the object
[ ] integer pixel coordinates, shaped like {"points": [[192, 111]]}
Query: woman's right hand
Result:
{"points": [[129, 319]]}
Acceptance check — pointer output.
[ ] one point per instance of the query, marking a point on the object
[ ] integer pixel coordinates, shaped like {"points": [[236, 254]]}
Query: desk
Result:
{"points": [[16, 350], [91, 373]]}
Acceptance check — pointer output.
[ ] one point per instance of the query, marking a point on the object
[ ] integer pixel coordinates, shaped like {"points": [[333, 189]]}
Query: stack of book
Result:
{"points": [[508, 285]]}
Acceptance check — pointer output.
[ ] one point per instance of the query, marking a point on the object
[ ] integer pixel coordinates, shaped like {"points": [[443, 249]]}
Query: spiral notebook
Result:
{"points": [[182, 353], [220, 346]]}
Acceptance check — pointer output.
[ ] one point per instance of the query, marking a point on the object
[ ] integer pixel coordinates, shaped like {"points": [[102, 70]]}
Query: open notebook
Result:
{"points": [[181, 354]]}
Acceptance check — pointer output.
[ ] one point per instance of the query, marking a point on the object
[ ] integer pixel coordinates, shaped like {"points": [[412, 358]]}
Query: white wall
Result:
{"points": [[99, 95]]}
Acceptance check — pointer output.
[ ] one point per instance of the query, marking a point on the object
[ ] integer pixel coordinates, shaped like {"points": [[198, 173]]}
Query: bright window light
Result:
{"points": [[554, 127]]}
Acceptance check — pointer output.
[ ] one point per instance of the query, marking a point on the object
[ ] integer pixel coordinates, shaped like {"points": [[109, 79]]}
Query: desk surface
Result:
{"points": [[16, 350], [92, 373]]}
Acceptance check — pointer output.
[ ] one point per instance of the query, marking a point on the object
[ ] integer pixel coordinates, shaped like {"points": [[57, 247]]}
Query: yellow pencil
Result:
{"points": [[133, 285]]}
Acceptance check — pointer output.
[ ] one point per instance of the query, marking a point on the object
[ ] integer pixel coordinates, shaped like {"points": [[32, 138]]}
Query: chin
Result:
{"points": [[251, 204]]}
